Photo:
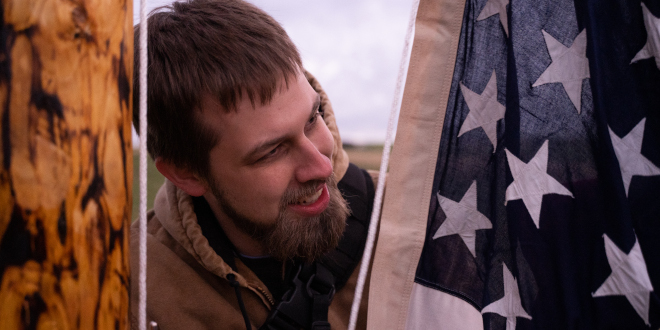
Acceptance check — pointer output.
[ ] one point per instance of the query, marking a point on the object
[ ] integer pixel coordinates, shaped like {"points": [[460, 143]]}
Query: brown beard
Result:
{"points": [[293, 236]]}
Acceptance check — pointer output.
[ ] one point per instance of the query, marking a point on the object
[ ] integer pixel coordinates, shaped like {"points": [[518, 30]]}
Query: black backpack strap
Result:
{"points": [[357, 188], [305, 305], [322, 289]]}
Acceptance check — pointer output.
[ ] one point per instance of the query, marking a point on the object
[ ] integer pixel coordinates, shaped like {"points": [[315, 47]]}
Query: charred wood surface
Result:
{"points": [[65, 163]]}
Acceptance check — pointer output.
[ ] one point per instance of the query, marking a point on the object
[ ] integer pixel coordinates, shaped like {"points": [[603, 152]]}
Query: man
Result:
{"points": [[249, 229]]}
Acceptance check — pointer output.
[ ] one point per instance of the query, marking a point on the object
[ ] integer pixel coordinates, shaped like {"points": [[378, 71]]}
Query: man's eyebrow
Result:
{"points": [[262, 147]]}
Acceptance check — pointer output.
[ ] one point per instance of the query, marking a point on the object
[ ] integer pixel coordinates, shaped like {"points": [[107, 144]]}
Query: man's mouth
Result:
{"points": [[310, 199], [312, 205]]}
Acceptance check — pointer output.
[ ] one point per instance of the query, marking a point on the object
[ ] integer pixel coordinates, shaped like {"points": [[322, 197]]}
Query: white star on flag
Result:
{"points": [[629, 277], [494, 7], [509, 306], [463, 218], [531, 181], [628, 152], [652, 46], [569, 66], [485, 111]]}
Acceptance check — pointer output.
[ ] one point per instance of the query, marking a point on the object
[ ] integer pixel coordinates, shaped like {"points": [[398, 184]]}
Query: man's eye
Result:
{"points": [[273, 152], [312, 120]]}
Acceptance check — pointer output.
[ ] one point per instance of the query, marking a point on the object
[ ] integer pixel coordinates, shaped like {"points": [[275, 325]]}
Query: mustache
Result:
{"points": [[293, 195]]}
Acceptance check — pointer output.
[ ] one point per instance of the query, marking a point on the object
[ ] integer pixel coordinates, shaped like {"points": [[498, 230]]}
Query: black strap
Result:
{"points": [[222, 246], [237, 289], [305, 305], [321, 287], [357, 188]]}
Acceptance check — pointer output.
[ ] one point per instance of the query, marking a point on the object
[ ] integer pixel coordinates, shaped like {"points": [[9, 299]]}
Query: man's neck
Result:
{"points": [[244, 243]]}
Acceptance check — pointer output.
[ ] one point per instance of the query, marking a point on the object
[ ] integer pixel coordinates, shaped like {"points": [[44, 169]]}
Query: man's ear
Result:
{"points": [[183, 178]]}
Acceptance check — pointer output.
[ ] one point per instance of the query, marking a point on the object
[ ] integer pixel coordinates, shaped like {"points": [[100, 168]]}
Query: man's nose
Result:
{"points": [[313, 165]]}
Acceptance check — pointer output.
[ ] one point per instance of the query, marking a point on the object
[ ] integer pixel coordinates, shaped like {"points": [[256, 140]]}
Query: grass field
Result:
{"points": [[367, 157], [154, 181]]}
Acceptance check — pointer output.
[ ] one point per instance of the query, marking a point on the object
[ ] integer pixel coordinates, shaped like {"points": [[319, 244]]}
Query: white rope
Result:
{"points": [[142, 302], [378, 200]]}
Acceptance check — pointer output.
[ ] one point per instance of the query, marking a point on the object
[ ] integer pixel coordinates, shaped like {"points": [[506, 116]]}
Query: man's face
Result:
{"points": [[271, 172]]}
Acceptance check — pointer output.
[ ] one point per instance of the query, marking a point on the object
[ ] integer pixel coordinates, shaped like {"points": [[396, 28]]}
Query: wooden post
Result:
{"points": [[65, 163]]}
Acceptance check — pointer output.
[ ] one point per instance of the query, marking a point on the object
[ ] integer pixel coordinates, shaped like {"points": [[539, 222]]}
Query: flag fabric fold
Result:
{"points": [[524, 191]]}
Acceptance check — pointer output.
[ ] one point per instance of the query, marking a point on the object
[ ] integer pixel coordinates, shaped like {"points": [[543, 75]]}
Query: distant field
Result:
{"points": [[367, 157], [154, 181]]}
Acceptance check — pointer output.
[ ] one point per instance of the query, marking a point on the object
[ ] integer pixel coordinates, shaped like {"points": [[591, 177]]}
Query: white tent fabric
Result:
{"points": [[393, 296]]}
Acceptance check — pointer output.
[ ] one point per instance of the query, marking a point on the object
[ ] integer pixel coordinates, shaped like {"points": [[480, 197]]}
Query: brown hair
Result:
{"points": [[226, 49]]}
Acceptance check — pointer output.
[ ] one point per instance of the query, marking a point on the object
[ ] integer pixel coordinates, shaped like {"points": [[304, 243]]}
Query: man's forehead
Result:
{"points": [[251, 98], [265, 119]]}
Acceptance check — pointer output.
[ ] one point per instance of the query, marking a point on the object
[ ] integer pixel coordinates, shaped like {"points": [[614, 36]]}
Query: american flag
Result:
{"points": [[545, 203]]}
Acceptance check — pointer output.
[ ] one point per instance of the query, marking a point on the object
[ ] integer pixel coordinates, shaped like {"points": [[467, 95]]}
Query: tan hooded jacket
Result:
{"points": [[186, 280]]}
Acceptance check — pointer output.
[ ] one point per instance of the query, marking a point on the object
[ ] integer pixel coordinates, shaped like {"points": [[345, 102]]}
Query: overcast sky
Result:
{"points": [[353, 47]]}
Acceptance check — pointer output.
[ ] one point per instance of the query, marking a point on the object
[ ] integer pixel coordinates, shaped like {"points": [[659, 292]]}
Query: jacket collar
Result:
{"points": [[176, 212], [213, 232]]}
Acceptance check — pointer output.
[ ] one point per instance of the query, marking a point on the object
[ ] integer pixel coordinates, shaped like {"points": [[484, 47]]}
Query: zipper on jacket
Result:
{"points": [[270, 299]]}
